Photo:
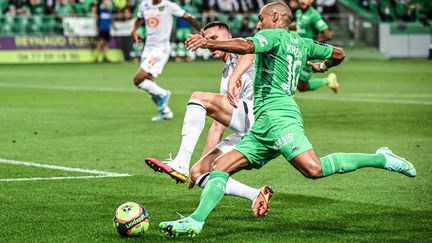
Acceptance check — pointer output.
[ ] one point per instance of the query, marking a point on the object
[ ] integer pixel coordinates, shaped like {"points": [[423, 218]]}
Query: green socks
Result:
{"points": [[213, 192], [318, 83], [344, 162]]}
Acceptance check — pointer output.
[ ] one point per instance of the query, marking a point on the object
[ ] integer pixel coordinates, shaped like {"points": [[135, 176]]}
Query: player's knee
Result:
{"points": [[196, 171], [198, 96], [302, 86], [195, 174], [201, 96], [313, 171], [137, 80]]}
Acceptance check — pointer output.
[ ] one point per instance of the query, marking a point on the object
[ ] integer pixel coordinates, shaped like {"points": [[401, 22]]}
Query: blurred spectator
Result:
{"points": [[93, 10], [327, 6], [37, 7], [385, 12], [183, 29], [293, 4], [104, 20], [246, 27], [18, 7], [62, 10], [11, 11], [76, 8], [404, 11]]}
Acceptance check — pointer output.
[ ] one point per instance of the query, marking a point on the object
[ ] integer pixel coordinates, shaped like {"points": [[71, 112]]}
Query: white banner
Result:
{"points": [[85, 26]]}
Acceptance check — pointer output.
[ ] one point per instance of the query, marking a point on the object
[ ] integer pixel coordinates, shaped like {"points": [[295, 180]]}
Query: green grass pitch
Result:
{"points": [[92, 117]]}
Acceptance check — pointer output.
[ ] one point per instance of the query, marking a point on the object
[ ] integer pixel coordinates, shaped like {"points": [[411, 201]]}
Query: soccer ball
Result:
{"points": [[131, 219]]}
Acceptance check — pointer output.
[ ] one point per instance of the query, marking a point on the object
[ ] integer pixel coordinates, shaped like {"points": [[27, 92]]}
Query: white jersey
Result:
{"points": [[246, 78], [159, 20]]}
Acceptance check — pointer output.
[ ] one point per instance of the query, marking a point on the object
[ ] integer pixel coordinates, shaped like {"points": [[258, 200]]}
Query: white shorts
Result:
{"points": [[228, 143], [241, 122], [154, 58], [242, 119]]}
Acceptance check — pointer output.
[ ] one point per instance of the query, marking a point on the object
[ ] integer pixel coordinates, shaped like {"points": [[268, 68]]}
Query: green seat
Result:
{"points": [[236, 23], [48, 25], [223, 18], [6, 25], [253, 18], [20, 25], [34, 26]]}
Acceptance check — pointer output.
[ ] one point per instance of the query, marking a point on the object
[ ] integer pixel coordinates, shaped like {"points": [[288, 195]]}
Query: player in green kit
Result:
{"points": [[278, 128], [310, 24]]}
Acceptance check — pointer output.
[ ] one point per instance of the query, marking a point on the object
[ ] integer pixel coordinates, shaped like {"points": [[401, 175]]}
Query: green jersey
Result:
{"points": [[279, 60], [310, 23]]}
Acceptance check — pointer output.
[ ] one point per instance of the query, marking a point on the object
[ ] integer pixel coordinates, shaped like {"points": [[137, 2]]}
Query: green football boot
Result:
{"points": [[184, 226], [397, 163]]}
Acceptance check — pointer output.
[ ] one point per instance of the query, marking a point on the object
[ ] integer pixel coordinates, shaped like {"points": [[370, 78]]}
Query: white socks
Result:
{"points": [[193, 124], [232, 187], [152, 88]]}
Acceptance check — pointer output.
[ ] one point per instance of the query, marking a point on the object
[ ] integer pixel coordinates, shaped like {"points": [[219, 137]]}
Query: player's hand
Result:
{"points": [[135, 37], [316, 67], [195, 41], [234, 93]]}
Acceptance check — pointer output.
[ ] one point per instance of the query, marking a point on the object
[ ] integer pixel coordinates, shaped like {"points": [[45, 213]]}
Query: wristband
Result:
{"points": [[323, 67]]}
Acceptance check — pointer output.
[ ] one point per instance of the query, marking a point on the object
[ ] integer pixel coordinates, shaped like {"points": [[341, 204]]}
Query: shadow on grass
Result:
{"points": [[309, 218]]}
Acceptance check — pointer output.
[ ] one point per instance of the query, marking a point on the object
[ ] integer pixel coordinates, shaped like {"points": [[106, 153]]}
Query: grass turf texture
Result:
{"points": [[91, 116]]}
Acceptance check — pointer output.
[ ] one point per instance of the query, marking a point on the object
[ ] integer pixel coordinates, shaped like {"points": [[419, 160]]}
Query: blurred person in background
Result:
{"points": [[158, 16], [310, 24], [183, 29], [104, 23]]}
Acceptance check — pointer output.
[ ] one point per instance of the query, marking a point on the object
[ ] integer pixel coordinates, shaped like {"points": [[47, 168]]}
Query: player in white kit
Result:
{"points": [[158, 16], [239, 119]]}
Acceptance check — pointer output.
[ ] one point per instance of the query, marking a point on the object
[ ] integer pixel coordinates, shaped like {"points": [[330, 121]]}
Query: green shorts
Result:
{"points": [[182, 34], [271, 137]]}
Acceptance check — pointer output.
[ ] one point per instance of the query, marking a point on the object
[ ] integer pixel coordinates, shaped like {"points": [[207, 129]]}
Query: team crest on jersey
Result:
{"points": [[161, 9]]}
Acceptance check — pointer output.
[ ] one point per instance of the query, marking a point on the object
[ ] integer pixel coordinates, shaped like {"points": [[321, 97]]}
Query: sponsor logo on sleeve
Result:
{"points": [[262, 40]]}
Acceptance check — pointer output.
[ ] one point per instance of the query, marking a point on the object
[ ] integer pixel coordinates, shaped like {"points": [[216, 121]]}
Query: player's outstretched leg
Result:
{"points": [[184, 226], [159, 96], [383, 158], [180, 175], [330, 81], [193, 124], [261, 203]]}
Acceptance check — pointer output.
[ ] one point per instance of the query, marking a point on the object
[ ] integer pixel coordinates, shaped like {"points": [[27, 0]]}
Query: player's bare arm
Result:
{"points": [[135, 37], [238, 46], [214, 136], [191, 19], [337, 57], [235, 83]]}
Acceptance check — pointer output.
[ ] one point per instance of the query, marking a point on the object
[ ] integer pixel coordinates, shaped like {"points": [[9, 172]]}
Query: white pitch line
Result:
{"points": [[65, 87], [62, 178], [97, 173], [56, 167]]}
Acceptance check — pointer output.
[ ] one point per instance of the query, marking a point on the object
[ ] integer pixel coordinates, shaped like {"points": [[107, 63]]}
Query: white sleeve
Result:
{"points": [[176, 10], [140, 13]]}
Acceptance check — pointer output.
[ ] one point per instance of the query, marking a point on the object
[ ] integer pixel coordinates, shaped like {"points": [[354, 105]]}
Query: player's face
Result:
{"points": [[305, 4], [265, 20], [219, 34]]}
